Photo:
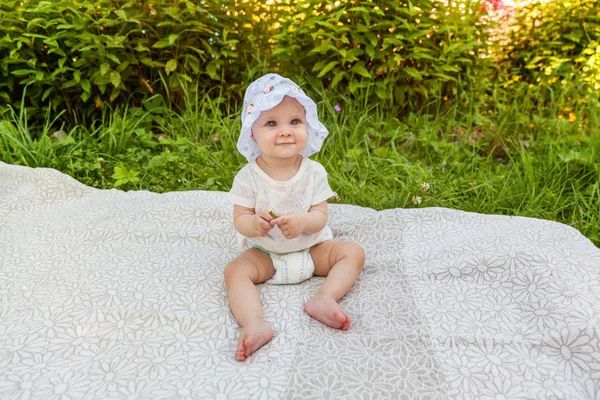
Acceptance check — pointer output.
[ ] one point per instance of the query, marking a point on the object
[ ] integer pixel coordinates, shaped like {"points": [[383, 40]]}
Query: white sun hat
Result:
{"points": [[265, 93]]}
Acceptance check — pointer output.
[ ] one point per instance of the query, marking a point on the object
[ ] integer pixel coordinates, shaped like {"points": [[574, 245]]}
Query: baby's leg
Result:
{"points": [[341, 262], [249, 268]]}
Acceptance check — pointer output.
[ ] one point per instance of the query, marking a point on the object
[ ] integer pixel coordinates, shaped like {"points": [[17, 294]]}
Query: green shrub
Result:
{"points": [[82, 54], [555, 41], [412, 51]]}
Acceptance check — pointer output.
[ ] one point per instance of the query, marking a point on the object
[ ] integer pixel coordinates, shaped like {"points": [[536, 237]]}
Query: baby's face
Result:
{"points": [[282, 132]]}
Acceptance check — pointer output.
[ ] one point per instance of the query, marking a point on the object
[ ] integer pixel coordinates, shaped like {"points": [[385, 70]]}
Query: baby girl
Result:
{"points": [[280, 211]]}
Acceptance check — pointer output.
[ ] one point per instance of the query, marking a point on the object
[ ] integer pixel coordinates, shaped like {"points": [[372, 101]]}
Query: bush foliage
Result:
{"points": [[81, 55], [555, 41], [411, 51]]}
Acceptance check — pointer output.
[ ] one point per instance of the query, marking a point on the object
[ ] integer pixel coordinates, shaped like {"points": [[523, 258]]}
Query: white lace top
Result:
{"points": [[253, 188]]}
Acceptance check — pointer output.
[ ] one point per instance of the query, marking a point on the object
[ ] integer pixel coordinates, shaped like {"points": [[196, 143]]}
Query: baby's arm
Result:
{"points": [[250, 224], [316, 218]]}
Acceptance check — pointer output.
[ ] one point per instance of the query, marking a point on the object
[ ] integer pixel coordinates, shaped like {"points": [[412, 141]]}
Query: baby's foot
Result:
{"points": [[328, 311], [252, 338]]}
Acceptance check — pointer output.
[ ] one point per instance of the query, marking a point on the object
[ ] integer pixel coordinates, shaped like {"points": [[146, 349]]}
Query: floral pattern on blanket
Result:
{"points": [[111, 294]]}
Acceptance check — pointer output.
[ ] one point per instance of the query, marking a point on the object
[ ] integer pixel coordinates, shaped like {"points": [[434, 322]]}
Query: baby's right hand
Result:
{"points": [[261, 223]]}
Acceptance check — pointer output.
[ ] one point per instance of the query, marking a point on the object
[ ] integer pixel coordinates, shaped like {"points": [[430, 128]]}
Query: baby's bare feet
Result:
{"points": [[253, 337], [328, 311]]}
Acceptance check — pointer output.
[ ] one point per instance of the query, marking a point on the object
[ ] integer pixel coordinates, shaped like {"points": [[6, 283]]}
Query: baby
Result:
{"points": [[280, 211]]}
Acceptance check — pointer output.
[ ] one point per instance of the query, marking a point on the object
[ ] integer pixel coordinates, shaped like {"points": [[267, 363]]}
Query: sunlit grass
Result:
{"points": [[516, 152]]}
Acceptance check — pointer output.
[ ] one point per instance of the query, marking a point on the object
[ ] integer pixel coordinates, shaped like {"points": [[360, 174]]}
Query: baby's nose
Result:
{"points": [[286, 133]]}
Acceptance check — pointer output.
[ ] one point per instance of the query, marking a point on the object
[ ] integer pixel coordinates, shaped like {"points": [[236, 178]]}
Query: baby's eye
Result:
{"points": [[295, 121], [271, 124]]}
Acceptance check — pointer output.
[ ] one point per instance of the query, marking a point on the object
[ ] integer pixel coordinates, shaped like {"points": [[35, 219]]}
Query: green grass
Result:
{"points": [[514, 152]]}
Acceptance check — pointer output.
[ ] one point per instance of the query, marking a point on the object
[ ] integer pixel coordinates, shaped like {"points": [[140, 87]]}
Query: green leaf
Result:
{"points": [[165, 23], [119, 173], [115, 78], [141, 47], [450, 68], [51, 42], [86, 86], [114, 58], [382, 93], [372, 38], [104, 68], [451, 48], [168, 42], [319, 65], [85, 96], [211, 69], [124, 65], [414, 73], [34, 22], [198, 51], [585, 157], [171, 66], [419, 56], [114, 94], [185, 77], [327, 68], [122, 14], [47, 93], [351, 55], [68, 84], [151, 63], [327, 24], [192, 62], [161, 44], [337, 78], [323, 48], [574, 36], [22, 72], [173, 38], [359, 69]]}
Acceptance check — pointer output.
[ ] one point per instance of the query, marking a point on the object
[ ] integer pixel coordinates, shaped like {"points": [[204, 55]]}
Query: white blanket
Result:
{"points": [[109, 294]]}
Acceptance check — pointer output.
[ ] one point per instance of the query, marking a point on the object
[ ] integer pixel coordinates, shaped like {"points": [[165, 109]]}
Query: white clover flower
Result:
{"points": [[425, 186], [416, 200]]}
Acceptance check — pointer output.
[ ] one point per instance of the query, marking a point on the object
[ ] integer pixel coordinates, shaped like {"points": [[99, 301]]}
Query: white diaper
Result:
{"points": [[290, 268]]}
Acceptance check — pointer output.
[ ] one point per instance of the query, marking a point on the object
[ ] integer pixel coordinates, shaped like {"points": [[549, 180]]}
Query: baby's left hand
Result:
{"points": [[291, 225]]}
